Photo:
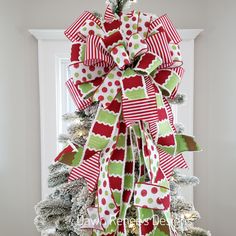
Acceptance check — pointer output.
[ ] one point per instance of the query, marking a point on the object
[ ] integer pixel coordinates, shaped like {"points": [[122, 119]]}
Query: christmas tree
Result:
{"points": [[118, 173], [62, 212]]}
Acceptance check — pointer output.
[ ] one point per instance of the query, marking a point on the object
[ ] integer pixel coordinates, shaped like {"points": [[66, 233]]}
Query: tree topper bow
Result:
{"points": [[130, 63]]}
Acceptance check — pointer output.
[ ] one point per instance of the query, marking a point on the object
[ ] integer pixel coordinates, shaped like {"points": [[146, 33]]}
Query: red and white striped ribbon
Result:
{"points": [[96, 54], [76, 96], [72, 32], [89, 170], [180, 72], [158, 44], [142, 109], [109, 15], [153, 129], [168, 163], [168, 27], [169, 113]]}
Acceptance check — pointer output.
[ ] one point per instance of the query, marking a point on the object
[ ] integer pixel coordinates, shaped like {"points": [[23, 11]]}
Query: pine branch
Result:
{"points": [[58, 178], [178, 100], [195, 231], [57, 167], [97, 14], [179, 128], [81, 202], [70, 116], [42, 225], [61, 233], [89, 112], [71, 189], [182, 179], [62, 225], [48, 209], [179, 204], [63, 138], [119, 6]]}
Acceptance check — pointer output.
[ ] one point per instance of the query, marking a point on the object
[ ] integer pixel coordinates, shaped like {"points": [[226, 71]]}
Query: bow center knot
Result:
{"points": [[125, 52]]}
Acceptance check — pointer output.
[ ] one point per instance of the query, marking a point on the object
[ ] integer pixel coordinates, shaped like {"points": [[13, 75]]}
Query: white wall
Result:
{"points": [[19, 120], [215, 117]]}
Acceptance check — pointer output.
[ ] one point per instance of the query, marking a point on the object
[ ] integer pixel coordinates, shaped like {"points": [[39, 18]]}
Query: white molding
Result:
{"points": [[58, 34], [189, 34], [48, 34]]}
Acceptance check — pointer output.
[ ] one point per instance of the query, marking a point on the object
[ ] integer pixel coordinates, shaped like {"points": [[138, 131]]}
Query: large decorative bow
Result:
{"points": [[130, 64]]}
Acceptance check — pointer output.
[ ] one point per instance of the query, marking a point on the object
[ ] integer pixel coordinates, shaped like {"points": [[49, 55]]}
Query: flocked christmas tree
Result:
{"points": [[78, 178]]}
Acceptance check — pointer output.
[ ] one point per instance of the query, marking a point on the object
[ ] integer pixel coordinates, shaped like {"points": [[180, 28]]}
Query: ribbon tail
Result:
{"points": [[186, 143], [146, 226], [111, 181], [109, 15], [128, 186], [183, 143], [108, 208], [138, 139], [155, 194], [164, 132], [117, 165], [89, 170], [103, 93], [144, 105]]}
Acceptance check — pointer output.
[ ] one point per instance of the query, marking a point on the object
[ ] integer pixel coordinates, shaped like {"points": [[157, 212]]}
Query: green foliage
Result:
{"points": [[119, 5]]}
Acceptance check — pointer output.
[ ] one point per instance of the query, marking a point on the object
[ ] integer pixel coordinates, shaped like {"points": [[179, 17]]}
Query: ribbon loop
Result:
{"points": [[168, 26], [77, 52], [167, 80], [95, 53], [90, 28], [109, 16], [136, 46], [72, 31], [116, 45], [112, 22], [158, 44], [148, 63], [109, 88]]}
